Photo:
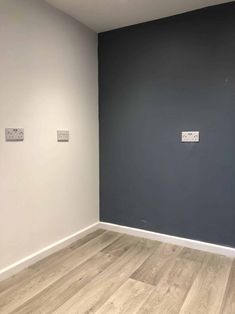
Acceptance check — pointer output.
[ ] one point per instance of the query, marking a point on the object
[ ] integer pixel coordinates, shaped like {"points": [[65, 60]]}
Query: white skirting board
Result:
{"points": [[193, 244], [33, 258]]}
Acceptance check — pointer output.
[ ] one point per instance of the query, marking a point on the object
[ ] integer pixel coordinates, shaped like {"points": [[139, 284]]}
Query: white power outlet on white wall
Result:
{"points": [[14, 134], [190, 136], [63, 136]]}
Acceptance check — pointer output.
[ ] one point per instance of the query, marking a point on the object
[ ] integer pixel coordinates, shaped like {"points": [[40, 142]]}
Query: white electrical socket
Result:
{"points": [[190, 136], [63, 136], [14, 135]]}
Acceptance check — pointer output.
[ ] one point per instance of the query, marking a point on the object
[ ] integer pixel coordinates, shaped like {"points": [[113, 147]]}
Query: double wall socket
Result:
{"points": [[190, 136], [14, 135], [63, 136]]}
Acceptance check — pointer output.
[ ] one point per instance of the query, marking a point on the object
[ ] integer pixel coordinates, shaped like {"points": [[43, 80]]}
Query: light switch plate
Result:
{"points": [[63, 136], [14, 134], [190, 136]]}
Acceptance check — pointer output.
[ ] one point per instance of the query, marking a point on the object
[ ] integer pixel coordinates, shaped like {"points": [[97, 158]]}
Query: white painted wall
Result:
{"points": [[48, 80]]}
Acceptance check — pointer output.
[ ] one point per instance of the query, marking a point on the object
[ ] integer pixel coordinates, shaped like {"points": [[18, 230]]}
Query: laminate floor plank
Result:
{"points": [[63, 289], [127, 299], [55, 257], [90, 298], [193, 255], [42, 280], [12, 281], [121, 245], [86, 239], [229, 300], [208, 290], [30, 271], [110, 272], [153, 268], [169, 294]]}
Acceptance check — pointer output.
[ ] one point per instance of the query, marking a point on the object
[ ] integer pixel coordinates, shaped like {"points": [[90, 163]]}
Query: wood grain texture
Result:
{"points": [[29, 272], [127, 299], [25, 291], [97, 292], [193, 255], [169, 294], [107, 272], [208, 289], [153, 268], [63, 289], [229, 300], [121, 245], [57, 256]]}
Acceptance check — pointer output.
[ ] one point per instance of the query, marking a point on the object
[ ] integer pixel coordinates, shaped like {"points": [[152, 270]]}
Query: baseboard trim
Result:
{"points": [[33, 258], [193, 244]]}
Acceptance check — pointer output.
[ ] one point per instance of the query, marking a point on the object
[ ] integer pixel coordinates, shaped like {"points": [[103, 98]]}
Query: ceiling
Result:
{"points": [[104, 15]]}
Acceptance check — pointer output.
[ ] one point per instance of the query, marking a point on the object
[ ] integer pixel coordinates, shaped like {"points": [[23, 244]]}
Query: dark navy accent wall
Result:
{"points": [[157, 79]]}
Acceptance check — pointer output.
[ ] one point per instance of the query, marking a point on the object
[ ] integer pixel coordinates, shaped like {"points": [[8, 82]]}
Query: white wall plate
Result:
{"points": [[14, 134], [190, 136], [63, 136]]}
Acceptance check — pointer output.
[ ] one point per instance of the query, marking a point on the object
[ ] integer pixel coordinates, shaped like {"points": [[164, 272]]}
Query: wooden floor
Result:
{"points": [[106, 272]]}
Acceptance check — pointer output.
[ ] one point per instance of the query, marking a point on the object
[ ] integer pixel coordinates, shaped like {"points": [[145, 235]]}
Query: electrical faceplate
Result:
{"points": [[14, 135], [63, 136], [190, 136]]}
